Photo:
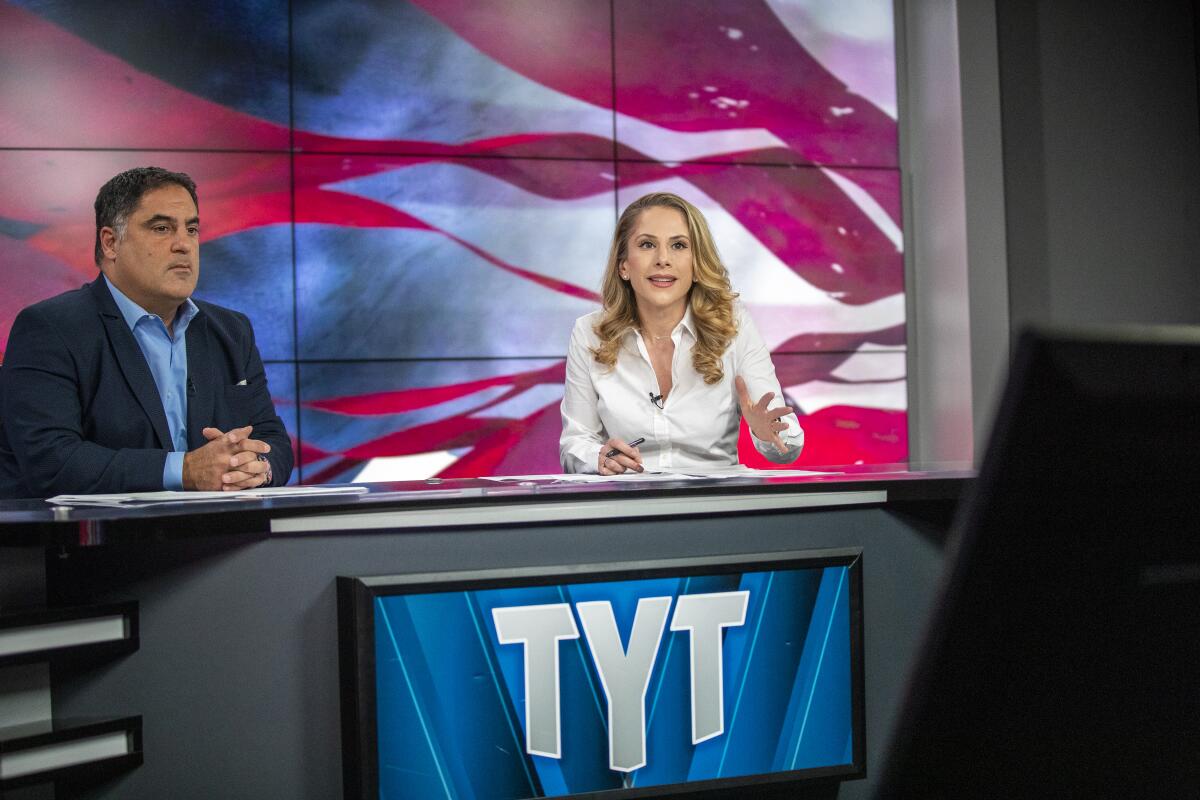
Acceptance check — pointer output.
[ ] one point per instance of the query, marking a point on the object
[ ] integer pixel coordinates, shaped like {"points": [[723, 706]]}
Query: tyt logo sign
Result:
{"points": [[624, 672]]}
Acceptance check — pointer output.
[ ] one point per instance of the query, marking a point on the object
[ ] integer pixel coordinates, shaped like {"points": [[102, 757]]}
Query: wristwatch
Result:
{"points": [[267, 475]]}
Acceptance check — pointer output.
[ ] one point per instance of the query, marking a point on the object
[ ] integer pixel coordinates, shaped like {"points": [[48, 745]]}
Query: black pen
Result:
{"points": [[615, 451]]}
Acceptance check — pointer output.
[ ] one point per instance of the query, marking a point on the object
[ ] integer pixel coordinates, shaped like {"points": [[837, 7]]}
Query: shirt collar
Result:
{"points": [[687, 323], [133, 313]]}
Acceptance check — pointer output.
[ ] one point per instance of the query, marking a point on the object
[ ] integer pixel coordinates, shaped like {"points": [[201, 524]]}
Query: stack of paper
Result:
{"points": [[142, 499]]}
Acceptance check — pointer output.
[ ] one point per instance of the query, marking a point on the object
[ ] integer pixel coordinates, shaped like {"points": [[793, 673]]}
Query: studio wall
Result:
{"points": [[413, 201]]}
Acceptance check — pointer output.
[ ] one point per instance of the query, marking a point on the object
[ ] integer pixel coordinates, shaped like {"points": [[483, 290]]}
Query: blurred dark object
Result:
{"points": [[1063, 656]]}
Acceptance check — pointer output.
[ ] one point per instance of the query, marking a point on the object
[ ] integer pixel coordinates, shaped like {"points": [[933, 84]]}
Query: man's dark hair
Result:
{"points": [[119, 197]]}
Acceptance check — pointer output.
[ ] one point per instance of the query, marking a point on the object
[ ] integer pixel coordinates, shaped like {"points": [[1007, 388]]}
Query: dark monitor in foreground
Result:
{"points": [[1063, 658]]}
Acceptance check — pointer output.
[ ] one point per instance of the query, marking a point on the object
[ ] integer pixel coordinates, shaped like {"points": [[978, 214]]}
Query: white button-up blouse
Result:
{"points": [[697, 427]]}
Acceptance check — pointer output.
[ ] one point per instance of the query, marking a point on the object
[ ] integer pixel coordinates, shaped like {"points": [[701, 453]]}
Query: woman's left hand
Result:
{"points": [[765, 423]]}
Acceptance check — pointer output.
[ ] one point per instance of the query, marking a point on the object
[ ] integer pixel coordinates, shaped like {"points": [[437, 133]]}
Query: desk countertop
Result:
{"points": [[475, 501]]}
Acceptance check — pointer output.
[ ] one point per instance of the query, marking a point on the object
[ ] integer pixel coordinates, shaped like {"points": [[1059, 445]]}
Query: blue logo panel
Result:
{"points": [[551, 690]]}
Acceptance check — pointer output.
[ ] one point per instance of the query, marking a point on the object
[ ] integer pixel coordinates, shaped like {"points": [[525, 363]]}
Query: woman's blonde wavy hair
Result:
{"points": [[711, 297]]}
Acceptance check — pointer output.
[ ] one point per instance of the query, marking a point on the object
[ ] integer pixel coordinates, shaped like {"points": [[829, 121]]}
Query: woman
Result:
{"points": [[671, 358]]}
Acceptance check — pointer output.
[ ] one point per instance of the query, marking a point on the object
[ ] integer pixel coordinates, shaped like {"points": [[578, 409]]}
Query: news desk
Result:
{"points": [[226, 682]]}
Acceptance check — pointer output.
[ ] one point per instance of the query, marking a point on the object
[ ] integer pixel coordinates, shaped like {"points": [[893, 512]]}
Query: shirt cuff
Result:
{"points": [[575, 460], [173, 471], [793, 443]]}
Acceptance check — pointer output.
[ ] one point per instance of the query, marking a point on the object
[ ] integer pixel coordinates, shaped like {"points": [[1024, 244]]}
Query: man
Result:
{"points": [[128, 384]]}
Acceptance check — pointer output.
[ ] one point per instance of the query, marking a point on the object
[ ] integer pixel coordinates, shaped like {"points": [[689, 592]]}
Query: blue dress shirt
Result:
{"points": [[167, 357]]}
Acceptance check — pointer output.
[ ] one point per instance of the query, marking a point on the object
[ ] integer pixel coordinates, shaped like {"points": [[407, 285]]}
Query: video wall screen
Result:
{"points": [[413, 200], [671, 676]]}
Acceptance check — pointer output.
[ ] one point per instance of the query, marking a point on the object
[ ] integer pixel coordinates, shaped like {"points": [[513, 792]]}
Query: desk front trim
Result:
{"points": [[518, 513]]}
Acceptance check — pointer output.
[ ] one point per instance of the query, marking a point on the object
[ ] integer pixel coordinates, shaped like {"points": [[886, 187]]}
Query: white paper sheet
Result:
{"points": [[738, 471]]}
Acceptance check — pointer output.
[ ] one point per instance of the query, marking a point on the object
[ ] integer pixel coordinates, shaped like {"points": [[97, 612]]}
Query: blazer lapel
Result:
{"points": [[201, 397], [133, 363]]}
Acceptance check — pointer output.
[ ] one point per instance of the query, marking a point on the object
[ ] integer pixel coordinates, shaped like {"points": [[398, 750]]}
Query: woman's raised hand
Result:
{"points": [[765, 423]]}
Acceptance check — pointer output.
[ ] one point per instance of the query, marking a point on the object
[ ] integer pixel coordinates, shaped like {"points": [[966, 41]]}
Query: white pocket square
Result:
{"points": [[242, 382]]}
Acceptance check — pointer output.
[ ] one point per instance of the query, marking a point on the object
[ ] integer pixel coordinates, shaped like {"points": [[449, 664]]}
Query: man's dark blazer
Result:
{"points": [[79, 410]]}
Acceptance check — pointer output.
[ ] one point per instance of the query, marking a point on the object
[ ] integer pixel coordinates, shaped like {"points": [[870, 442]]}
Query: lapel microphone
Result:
{"points": [[657, 399]]}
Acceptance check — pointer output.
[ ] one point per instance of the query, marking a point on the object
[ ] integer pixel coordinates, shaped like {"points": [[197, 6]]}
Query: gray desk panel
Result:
{"points": [[237, 673]]}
